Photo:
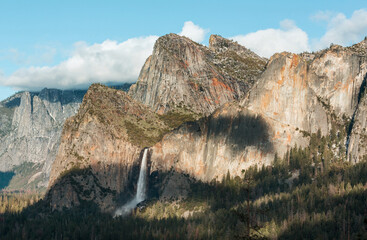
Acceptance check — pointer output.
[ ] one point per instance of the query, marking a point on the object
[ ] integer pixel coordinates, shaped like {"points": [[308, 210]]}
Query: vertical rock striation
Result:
{"points": [[182, 73], [36, 124], [357, 145]]}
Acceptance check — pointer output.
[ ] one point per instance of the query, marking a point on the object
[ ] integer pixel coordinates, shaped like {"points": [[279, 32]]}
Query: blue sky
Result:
{"points": [[69, 44]]}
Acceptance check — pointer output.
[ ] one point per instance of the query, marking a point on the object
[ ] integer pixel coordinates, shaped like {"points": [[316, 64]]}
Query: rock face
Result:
{"points": [[295, 96], [236, 61], [336, 76], [231, 139], [357, 145], [7, 108], [100, 148], [33, 128], [183, 73], [270, 119]]}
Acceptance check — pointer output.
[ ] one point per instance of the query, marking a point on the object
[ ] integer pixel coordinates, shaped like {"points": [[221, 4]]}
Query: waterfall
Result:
{"points": [[140, 192]]}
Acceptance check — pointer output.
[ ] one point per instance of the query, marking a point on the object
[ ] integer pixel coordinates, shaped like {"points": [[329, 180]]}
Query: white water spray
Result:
{"points": [[140, 192]]}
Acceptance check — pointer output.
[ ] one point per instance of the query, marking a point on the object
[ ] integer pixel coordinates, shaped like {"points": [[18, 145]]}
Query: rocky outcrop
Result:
{"points": [[7, 108], [284, 97], [336, 76], [236, 61], [296, 95], [103, 143], [357, 145], [182, 73], [272, 118], [231, 139], [33, 136]]}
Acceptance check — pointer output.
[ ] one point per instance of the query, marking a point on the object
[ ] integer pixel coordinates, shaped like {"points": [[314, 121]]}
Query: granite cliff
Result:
{"points": [[181, 81], [297, 95], [277, 109], [183, 73], [30, 133]]}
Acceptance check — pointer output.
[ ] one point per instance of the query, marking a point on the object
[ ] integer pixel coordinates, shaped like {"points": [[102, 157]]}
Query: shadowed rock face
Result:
{"points": [[181, 72], [33, 128], [104, 140], [357, 147], [231, 139]]}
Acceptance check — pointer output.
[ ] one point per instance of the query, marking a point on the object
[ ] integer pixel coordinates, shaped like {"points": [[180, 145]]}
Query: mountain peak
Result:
{"points": [[181, 72], [360, 48], [220, 44]]}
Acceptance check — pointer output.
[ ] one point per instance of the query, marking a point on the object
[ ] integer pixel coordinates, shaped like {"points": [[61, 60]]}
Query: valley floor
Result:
{"points": [[310, 194]]}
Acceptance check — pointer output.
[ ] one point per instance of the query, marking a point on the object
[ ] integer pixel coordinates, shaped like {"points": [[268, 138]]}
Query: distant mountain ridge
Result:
{"points": [[33, 130], [30, 131]]}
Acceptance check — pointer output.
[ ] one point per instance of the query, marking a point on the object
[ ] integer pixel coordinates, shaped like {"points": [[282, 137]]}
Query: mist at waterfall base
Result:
{"points": [[140, 192]]}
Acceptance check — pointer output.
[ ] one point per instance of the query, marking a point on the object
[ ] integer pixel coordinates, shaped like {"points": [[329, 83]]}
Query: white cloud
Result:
{"points": [[106, 62], [194, 32], [344, 31], [266, 42]]}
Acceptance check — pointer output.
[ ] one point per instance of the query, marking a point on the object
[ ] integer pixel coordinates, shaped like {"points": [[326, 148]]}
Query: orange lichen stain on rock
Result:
{"points": [[216, 82], [276, 135], [160, 111], [304, 76], [338, 85], [200, 171], [282, 78], [93, 148], [265, 100], [275, 113], [295, 61], [194, 85], [207, 99], [299, 79], [289, 138], [346, 86]]}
